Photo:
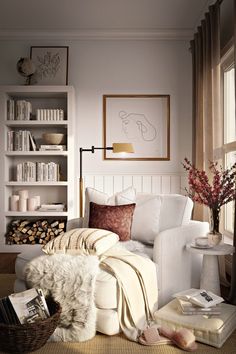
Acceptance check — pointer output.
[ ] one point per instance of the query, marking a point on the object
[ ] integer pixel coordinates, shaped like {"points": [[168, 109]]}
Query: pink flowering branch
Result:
{"points": [[220, 192]]}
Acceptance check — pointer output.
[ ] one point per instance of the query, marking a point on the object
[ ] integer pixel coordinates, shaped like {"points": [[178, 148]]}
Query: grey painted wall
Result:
{"points": [[98, 67]]}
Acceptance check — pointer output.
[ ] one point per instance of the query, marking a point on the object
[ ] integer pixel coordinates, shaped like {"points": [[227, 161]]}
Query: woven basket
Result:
{"points": [[28, 337]]}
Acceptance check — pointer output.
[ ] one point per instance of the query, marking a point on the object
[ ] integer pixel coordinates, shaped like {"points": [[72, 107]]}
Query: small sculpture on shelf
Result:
{"points": [[26, 68]]}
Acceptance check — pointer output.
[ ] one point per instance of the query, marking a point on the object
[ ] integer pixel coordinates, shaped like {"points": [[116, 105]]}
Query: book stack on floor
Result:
{"points": [[198, 302], [25, 307]]}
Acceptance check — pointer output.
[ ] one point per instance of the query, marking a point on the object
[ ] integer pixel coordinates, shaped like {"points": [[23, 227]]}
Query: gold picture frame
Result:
{"points": [[143, 120]]}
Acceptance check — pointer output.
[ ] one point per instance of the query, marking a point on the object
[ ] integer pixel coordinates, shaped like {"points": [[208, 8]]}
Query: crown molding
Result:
{"points": [[97, 34]]}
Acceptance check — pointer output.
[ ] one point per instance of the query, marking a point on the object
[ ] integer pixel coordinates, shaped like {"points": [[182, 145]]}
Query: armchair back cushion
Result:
{"points": [[152, 214], [146, 218], [176, 210]]}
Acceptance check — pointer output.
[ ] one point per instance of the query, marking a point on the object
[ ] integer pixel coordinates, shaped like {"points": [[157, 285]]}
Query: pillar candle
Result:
{"points": [[37, 198], [31, 204], [22, 204], [14, 202], [24, 193]]}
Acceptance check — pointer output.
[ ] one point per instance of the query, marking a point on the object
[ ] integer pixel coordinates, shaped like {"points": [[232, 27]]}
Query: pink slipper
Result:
{"points": [[151, 336], [182, 338]]}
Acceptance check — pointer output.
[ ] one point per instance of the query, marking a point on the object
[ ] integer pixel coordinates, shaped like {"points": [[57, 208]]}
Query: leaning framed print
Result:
{"points": [[143, 120], [51, 65]]}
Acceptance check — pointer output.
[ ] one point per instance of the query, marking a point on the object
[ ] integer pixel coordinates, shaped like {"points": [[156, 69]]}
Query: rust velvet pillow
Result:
{"points": [[116, 218]]}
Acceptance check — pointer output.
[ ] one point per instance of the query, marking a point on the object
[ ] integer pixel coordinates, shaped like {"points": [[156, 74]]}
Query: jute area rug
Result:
{"points": [[102, 344]]}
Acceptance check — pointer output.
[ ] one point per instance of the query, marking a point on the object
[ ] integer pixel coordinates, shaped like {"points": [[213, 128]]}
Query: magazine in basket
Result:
{"points": [[29, 305]]}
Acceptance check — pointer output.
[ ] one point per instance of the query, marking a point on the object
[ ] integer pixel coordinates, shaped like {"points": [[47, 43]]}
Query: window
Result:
{"points": [[229, 147], [229, 107]]}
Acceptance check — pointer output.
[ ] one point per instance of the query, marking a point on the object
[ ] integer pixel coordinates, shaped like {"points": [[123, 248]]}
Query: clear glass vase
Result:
{"points": [[214, 236]]}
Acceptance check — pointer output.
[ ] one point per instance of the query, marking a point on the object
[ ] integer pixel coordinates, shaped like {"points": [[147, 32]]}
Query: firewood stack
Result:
{"points": [[33, 232]]}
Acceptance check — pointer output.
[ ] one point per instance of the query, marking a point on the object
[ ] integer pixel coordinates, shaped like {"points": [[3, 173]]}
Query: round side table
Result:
{"points": [[210, 279]]}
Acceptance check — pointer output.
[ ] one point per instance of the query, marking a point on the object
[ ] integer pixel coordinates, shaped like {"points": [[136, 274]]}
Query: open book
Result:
{"points": [[199, 297]]}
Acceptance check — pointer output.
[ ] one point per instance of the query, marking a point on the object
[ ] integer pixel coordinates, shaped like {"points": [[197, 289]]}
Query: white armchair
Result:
{"points": [[178, 269], [162, 223]]}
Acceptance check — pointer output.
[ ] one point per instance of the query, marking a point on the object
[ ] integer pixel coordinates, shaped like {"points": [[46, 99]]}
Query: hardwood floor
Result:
{"points": [[7, 263]]}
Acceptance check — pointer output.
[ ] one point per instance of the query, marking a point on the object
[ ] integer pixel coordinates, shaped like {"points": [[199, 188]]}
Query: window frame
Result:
{"points": [[227, 63]]}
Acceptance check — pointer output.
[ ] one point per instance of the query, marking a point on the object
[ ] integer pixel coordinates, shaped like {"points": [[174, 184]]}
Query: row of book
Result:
{"points": [[198, 302], [25, 307], [22, 110], [49, 114], [19, 110], [21, 140], [37, 172]]}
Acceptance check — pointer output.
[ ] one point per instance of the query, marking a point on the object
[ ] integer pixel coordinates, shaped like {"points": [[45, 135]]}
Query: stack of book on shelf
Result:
{"points": [[37, 172], [19, 110], [21, 140], [49, 114], [52, 207], [25, 307], [52, 148], [198, 302]]}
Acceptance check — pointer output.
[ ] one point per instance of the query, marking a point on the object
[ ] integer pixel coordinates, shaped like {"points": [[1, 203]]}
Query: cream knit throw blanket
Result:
{"points": [[137, 289]]}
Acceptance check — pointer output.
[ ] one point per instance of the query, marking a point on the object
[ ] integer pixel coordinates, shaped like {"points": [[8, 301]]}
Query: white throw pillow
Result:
{"points": [[146, 218], [127, 196]]}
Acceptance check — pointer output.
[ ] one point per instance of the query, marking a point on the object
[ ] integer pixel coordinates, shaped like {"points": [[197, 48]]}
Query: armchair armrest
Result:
{"points": [[178, 269], [74, 223]]}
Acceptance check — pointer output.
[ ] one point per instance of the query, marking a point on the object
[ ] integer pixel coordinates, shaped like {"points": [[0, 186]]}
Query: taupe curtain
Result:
{"points": [[207, 125]]}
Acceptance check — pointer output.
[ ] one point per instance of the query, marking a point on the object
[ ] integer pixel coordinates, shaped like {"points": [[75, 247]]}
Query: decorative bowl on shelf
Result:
{"points": [[53, 138]]}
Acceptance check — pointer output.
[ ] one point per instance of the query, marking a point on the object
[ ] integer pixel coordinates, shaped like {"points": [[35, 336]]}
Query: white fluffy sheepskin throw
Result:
{"points": [[133, 246], [71, 282]]}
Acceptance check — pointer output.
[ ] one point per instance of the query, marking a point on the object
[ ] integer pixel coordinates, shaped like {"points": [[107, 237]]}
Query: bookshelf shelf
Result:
{"points": [[61, 188], [36, 153], [28, 124], [38, 214], [58, 184]]}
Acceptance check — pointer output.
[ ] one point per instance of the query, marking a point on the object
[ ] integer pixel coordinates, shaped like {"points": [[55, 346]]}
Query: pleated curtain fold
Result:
{"points": [[207, 122]]}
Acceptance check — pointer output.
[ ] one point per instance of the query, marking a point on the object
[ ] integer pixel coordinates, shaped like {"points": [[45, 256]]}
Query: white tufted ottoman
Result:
{"points": [[212, 330]]}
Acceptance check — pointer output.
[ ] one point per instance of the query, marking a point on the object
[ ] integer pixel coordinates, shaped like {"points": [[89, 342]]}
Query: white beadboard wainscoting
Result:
{"points": [[155, 183]]}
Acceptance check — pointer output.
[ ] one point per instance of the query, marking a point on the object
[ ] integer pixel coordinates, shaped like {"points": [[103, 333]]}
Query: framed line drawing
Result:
{"points": [[143, 120], [51, 65]]}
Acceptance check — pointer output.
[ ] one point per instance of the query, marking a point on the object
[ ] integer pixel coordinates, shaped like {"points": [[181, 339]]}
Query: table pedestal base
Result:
{"points": [[210, 274]]}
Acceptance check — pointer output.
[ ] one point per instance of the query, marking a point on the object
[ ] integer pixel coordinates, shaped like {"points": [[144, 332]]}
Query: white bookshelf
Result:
{"points": [[51, 97]]}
